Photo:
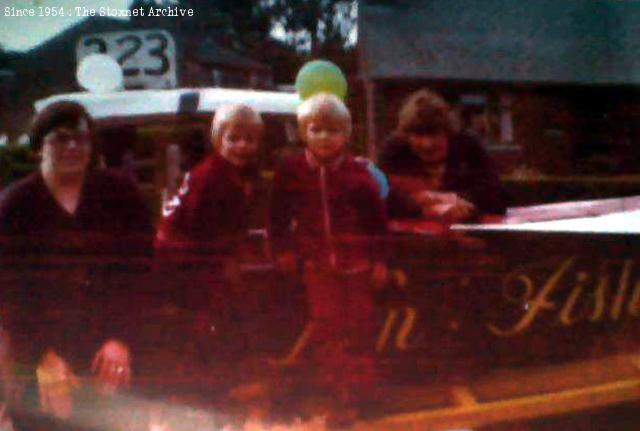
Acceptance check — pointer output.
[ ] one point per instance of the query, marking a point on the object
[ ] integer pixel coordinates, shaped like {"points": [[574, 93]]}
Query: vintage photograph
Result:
{"points": [[315, 215]]}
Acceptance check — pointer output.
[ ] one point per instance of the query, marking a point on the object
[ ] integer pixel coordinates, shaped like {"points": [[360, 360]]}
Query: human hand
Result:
{"points": [[427, 197], [379, 275], [112, 366], [449, 207], [287, 262], [55, 381], [459, 209]]}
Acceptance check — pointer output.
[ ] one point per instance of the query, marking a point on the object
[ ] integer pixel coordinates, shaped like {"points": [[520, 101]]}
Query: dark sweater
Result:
{"points": [[111, 217], [67, 299], [468, 172]]}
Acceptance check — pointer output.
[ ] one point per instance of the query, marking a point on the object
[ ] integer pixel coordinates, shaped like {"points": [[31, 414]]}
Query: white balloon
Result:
{"points": [[23, 140], [100, 73]]}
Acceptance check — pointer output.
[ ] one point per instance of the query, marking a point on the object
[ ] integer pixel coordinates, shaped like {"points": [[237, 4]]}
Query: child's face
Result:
{"points": [[240, 143], [325, 139]]}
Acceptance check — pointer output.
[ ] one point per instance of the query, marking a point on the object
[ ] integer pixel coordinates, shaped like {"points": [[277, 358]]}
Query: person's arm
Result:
{"points": [[371, 208], [399, 163], [403, 201], [482, 187], [193, 214], [124, 292], [372, 214]]}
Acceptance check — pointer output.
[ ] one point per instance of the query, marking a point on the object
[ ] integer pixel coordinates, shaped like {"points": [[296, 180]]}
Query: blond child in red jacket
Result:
{"points": [[326, 211], [210, 216]]}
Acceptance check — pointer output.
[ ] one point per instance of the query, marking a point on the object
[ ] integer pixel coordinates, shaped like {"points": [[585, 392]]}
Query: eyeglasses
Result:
{"points": [[63, 137]]}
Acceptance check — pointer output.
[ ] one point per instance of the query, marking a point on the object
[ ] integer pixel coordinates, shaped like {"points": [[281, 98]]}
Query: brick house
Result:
{"points": [[555, 84]]}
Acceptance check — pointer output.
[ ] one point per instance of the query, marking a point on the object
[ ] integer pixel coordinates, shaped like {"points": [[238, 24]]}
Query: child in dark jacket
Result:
{"points": [[326, 210], [210, 216], [212, 203]]}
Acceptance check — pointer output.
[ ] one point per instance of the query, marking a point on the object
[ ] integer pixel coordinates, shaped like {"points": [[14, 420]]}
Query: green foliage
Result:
{"points": [[231, 22], [318, 25], [307, 29], [314, 25]]}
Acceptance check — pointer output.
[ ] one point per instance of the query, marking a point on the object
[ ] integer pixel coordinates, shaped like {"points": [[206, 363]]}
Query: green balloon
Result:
{"points": [[321, 76]]}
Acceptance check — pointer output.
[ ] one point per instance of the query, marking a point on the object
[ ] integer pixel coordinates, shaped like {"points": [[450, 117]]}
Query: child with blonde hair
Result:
{"points": [[211, 205], [326, 210], [210, 215]]}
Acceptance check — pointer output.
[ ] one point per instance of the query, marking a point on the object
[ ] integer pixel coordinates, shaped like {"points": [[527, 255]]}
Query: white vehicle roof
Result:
{"points": [[132, 103]]}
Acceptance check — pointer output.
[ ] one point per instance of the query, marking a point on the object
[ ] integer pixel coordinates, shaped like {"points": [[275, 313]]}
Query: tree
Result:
{"points": [[283, 33], [318, 25], [230, 22]]}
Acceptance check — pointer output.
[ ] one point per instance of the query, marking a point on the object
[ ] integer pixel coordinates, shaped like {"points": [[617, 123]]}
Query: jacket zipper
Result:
{"points": [[327, 217]]}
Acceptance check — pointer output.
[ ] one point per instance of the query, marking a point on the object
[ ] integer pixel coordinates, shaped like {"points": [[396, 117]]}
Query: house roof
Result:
{"points": [[52, 64], [568, 41], [61, 62], [95, 24], [210, 52]]}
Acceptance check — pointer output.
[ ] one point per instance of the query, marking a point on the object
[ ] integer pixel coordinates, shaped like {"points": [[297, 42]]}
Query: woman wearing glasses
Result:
{"points": [[70, 323], [68, 203]]}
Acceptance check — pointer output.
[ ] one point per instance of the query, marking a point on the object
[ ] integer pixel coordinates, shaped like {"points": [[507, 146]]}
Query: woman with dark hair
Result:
{"points": [[68, 202], [435, 171], [69, 208]]}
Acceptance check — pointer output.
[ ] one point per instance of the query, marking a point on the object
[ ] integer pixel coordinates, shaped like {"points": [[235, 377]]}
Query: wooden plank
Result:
{"points": [[511, 383], [510, 410], [471, 412], [463, 396]]}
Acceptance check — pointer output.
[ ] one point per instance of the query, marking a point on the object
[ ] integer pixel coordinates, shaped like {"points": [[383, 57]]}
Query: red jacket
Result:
{"points": [[329, 214], [211, 207]]}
